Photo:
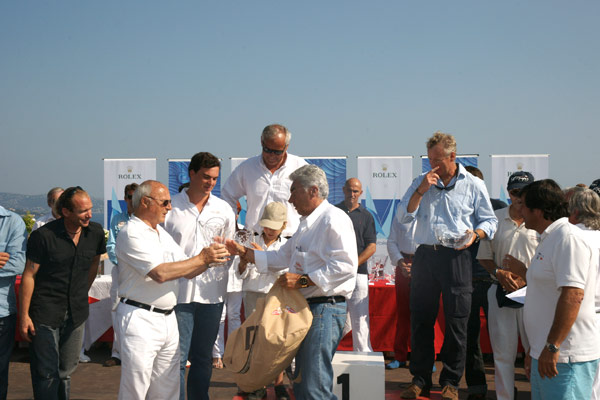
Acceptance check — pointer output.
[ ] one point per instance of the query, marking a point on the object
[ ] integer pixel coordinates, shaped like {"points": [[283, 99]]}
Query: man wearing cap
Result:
{"points": [[322, 261], [595, 186], [366, 242], [150, 264], [452, 209], [265, 178], [505, 317]]}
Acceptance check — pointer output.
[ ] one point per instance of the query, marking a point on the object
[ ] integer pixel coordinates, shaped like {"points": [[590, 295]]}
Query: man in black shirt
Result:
{"points": [[366, 242], [62, 262]]}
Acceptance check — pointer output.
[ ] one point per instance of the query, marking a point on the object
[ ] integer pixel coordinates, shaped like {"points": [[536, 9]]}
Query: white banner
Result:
{"points": [[504, 166], [384, 182], [119, 173]]}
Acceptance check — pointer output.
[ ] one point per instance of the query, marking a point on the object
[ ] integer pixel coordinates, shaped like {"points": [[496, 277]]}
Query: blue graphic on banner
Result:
{"points": [[178, 175], [465, 161], [119, 207], [335, 169], [383, 211]]}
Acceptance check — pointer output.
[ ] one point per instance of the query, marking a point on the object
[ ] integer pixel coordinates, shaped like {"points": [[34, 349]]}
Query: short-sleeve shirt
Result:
{"points": [[61, 283], [364, 229], [140, 249]]}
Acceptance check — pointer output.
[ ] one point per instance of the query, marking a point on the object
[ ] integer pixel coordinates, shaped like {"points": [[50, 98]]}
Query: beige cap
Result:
{"points": [[274, 215]]}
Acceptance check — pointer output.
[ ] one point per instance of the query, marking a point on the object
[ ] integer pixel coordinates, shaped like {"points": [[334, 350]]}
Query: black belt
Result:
{"points": [[326, 299], [435, 247], [145, 306], [483, 279]]}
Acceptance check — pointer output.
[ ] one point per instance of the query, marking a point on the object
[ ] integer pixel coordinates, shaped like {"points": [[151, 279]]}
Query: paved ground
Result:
{"points": [[93, 381]]}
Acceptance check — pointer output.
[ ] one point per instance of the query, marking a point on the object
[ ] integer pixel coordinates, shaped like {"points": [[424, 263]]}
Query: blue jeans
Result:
{"points": [[573, 382], [313, 360], [7, 342], [198, 327], [54, 356]]}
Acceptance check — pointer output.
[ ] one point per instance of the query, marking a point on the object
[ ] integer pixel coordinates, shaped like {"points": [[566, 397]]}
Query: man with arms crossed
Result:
{"points": [[322, 261], [265, 178], [366, 242], [449, 199], [150, 262], [62, 262], [200, 300]]}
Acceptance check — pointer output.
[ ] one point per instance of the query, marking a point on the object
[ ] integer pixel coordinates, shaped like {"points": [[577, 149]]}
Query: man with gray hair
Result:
{"points": [[322, 261], [452, 209], [51, 197], [265, 178]]}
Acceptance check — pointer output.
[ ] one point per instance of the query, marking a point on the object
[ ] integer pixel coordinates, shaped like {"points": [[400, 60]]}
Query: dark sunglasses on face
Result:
{"points": [[129, 196], [163, 203], [271, 151]]}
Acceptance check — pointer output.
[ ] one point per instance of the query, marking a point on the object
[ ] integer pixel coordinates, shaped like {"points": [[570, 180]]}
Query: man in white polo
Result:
{"points": [[150, 263]]}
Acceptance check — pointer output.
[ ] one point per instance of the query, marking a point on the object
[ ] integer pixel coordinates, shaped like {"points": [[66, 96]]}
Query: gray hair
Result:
{"points": [[271, 131], [50, 196], [308, 176], [448, 142], [587, 204], [143, 190]]}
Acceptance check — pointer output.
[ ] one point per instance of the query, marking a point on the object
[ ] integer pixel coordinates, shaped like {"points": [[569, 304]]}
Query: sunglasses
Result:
{"points": [[163, 203], [70, 192], [271, 151], [515, 192], [129, 196]]}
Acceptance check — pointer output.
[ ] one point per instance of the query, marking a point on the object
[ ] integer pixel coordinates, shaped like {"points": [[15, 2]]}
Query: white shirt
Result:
{"points": [[184, 222], [324, 248], [254, 281], [139, 250], [563, 258], [510, 238], [401, 239], [43, 220], [261, 187], [593, 238]]}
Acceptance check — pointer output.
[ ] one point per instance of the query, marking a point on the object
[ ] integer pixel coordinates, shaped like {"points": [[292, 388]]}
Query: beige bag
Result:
{"points": [[268, 340]]}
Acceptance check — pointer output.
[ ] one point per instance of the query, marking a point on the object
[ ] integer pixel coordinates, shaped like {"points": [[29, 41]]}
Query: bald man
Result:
{"points": [[366, 241]]}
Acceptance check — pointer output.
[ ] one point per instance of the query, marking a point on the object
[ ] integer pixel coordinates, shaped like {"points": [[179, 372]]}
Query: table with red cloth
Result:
{"points": [[382, 321]]}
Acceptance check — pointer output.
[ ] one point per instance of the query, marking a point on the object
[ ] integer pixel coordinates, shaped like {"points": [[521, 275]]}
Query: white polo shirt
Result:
{"points": [[563, 258], [139, 250], [184, 222], [510, 238], [593, 238], [255, 281], [324, 248], [261, 187]]}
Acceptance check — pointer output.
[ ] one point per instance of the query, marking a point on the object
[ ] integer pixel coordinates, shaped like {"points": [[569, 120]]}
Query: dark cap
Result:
{"points": [[595, 186], [519, 180]]}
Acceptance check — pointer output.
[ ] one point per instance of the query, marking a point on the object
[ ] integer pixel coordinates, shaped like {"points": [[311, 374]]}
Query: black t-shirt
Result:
{"points": [[364, 229], [61, 283]]}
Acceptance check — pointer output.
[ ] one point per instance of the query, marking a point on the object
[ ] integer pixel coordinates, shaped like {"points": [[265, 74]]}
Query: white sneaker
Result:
{"points": [[84, 358]]}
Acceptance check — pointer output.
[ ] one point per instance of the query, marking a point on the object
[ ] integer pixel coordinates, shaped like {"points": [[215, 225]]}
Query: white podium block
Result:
{"points": [[358, 375]]}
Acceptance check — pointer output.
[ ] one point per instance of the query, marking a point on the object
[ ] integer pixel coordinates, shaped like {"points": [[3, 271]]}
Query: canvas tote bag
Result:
{"points": [[265, 344]]}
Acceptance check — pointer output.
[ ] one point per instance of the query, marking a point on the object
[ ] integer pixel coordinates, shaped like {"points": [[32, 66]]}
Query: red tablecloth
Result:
{"points": [[382, 319]]}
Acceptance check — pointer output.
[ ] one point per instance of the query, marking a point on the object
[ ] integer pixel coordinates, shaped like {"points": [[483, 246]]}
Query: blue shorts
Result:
{"points": [[574, 381]]}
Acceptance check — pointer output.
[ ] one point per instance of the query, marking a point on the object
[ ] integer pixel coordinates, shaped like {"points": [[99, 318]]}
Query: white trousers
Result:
{"points": [[232, 309], [114, 299], [357, 318], [505, 326], [149, 354]]}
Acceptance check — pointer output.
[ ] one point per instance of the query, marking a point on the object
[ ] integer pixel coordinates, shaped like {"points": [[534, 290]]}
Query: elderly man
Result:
{"points": [[51, 197], [265, 178], [584, 211], [505, 317], [62, 261], [150, 263], [559, 313], [13, 239], [446, 201], [200, 300], [117, 222], [366, 242], [322, 261]]}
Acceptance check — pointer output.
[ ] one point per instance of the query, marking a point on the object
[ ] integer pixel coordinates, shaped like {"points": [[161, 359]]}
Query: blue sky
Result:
{"points": [[81, 81]]}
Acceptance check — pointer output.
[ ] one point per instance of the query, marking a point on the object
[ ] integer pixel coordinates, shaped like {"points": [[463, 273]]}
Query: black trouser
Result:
{"points": [[474, 366], [436, 271]]}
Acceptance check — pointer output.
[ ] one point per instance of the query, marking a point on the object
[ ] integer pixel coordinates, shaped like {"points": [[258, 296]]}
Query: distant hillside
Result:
{"points": [[36, 205]]}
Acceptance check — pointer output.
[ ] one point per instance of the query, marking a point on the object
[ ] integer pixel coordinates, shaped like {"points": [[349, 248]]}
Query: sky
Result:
{"points": [[85, 80]]}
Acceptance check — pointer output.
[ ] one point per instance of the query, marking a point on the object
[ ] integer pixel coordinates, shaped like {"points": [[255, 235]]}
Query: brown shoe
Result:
{"points": [[449, 393], [414, 391], [112, 362]]}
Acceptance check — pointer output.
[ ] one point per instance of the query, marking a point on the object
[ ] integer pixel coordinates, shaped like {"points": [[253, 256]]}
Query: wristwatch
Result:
{"points": [[552, 348], [303, 281], [477, 237]]}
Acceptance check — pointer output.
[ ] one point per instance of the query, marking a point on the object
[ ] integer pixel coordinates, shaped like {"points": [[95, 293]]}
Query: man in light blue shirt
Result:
{"points": [[13, 241], [117, 222], [453, 210]]}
